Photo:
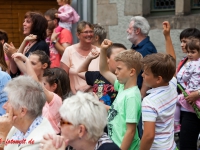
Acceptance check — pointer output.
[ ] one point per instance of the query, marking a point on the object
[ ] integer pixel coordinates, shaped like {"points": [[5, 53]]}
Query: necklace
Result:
{"points": [[28, 46]]}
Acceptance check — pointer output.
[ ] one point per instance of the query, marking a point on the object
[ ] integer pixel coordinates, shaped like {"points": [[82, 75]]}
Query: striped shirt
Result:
{"points": [[159, 107]]}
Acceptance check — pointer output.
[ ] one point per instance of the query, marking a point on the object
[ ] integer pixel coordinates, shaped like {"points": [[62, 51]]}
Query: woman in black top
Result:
{"points": [[34, 28]]}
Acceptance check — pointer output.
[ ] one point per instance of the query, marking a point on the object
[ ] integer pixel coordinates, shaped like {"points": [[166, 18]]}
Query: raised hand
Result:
{"points": [[106, 44], [31, 37], [166, 28], [93, 54], [19, 56]]}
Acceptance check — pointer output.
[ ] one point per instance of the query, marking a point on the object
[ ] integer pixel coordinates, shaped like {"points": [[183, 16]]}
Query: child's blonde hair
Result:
{"points": [[131, 58], [67, 1]]}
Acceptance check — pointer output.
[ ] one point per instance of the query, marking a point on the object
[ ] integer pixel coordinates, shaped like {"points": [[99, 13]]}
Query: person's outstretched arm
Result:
{"points": [[25, 67], [168, 41], [103, 65], [83, 68]]}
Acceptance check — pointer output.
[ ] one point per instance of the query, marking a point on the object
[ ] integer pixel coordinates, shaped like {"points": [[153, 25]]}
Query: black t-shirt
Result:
{"points": [[101, 87], [40, 45]]}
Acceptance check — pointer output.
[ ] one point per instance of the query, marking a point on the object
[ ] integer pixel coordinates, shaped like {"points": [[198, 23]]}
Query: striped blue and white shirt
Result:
{"points": [[159, 107]]}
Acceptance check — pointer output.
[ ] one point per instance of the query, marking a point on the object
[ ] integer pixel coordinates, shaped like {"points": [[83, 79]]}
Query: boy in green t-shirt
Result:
{"points": [[124, 113]]}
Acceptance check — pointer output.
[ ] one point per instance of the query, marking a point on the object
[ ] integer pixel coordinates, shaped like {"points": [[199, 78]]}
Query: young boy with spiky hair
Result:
{"points": [[122, 118]]}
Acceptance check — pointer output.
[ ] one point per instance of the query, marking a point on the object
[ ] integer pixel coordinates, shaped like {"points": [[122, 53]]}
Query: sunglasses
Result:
{"points": [[62, 122]]}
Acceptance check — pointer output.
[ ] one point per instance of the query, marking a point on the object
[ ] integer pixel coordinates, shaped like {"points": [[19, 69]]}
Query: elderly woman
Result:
{"points": [[76, 54], [82, 125], [23, 127]]}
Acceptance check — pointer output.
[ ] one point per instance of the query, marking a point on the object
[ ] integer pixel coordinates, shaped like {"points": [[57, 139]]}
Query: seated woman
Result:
{"points": [[82, 125], [23, 127]]}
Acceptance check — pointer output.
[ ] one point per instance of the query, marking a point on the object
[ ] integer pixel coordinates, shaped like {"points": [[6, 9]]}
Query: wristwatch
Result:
{"points": [[54, 42]]}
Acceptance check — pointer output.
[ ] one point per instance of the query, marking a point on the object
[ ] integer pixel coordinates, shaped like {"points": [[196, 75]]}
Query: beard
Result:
{"points": [[132, 38]]}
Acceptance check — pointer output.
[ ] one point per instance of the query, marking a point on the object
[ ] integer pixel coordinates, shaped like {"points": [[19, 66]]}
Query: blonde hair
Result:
{"points": [[67, 1], [131, 58]]}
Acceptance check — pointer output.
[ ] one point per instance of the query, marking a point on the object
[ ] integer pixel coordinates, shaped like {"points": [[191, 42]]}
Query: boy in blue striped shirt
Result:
{"points": [[158, 107]]}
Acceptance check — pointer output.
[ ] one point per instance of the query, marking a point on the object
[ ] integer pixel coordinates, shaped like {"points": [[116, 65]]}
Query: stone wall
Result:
{"points": [[115, 15]]}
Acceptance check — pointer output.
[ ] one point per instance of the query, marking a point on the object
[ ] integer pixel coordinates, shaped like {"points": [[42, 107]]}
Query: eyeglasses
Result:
{"points": [[62, 122], [86, 32]]}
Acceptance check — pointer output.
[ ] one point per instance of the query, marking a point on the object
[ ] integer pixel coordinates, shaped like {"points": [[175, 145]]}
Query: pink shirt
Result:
{"points": [[68, 14], [73, 60], [51, 112]]}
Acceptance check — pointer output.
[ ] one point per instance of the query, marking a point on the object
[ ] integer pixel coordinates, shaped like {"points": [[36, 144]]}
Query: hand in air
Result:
{"points": [[93, 54], [166, 28], [31, 37], [19, 56], [106, 44]]}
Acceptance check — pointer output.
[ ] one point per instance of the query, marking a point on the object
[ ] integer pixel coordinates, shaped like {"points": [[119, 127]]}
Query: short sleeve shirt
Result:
{"points": [[101, 87], [159, 107], [126, 108], [73, 60]]}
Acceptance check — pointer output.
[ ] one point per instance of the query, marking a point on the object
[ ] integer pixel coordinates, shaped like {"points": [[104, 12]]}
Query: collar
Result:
{"points": [[21, 136], [143, 42], [103, 139], [158, 89]]}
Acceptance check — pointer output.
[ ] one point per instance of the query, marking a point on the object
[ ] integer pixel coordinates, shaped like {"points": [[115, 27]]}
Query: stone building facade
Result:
{"points": [[115, 15]]}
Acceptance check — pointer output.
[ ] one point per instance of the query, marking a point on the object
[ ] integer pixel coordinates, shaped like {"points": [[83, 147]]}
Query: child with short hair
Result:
{"points": [[66, 14], [159, 106], [191, 79], [122, 118], [99, 35], [101, 87]]}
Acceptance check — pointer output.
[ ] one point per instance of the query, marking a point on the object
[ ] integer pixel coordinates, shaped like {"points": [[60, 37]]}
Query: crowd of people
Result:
{"points": [[96, 94]]}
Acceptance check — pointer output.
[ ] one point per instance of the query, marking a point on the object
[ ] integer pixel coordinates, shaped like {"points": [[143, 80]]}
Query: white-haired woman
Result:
{"points": [[23, 127], [82, 126]]}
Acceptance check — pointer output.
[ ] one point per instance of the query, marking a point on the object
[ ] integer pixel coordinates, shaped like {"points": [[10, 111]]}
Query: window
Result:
{"points": [[195, 6], [162, 7]]}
